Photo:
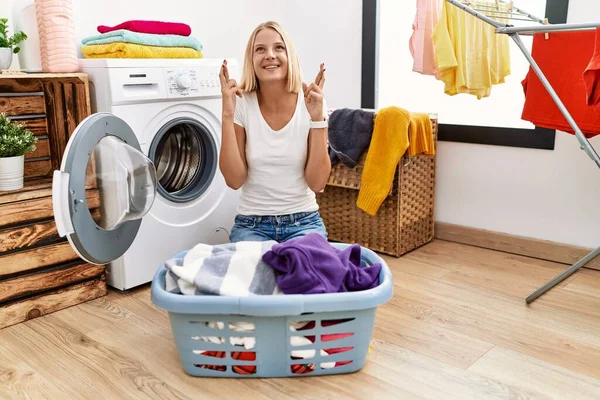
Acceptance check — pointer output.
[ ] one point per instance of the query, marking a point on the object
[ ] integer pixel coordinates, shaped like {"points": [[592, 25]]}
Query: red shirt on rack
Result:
{"points": [[563, 58], [591, 76]]}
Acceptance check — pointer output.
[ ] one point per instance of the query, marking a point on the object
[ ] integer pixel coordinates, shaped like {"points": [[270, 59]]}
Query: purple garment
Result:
{"points": [[309, 265]]}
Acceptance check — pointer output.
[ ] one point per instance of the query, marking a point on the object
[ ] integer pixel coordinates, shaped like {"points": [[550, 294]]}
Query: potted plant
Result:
{"points": [[15, 142], [8, 45]]}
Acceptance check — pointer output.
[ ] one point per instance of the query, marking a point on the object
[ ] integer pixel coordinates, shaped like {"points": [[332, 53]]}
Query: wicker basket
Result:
{"points": [[404, 221]]}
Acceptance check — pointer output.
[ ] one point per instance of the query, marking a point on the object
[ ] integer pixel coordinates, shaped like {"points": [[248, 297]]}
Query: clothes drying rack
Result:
{"points": [[489, 10]]}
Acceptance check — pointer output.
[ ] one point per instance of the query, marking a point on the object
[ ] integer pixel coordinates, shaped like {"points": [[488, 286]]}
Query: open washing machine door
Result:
{"points": [[103, 189]]}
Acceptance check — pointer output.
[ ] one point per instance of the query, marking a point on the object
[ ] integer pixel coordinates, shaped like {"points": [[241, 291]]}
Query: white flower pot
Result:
{"points": [[6, 56], [11, 173]]}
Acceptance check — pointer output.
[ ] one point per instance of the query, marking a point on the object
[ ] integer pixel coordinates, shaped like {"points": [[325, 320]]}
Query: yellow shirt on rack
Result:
{"points": [[470, 55]]}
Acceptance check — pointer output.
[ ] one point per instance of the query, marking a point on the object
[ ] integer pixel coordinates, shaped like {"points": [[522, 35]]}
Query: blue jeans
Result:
{"points": [[279, 228]]}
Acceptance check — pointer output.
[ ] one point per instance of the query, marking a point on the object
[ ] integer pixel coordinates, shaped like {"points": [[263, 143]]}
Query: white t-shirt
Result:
{"points": [[275, 184]]}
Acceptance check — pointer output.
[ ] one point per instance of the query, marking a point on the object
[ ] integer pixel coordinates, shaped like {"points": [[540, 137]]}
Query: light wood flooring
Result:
{"points": [[457, 328]]}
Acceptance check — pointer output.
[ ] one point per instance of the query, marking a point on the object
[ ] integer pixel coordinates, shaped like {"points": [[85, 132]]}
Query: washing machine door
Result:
{"points": [[103, 189]]}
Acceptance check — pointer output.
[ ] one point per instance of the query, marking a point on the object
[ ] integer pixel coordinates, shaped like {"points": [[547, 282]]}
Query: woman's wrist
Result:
{"points": [[318, 124]]}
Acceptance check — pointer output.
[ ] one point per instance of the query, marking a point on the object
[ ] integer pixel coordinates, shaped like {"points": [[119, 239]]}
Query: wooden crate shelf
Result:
{"points": [[51, 106], [39, 271]]}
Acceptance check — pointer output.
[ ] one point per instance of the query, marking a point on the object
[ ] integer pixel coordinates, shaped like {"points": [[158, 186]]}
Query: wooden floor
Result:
{"points": [[457, 328]]}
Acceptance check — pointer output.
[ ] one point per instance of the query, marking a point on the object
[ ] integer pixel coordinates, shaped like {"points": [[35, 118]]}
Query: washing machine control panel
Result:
{"points": [[185, 82]]}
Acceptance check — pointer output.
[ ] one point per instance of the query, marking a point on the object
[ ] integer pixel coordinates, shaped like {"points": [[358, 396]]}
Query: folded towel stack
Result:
{"points": [[142, 39]]}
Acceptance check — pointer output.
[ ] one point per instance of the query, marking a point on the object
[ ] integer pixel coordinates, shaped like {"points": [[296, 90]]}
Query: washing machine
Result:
{"points": [[140, 179]]}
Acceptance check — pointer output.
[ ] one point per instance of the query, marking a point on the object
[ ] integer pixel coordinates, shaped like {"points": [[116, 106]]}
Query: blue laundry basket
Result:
{"points": [[205, 328]]}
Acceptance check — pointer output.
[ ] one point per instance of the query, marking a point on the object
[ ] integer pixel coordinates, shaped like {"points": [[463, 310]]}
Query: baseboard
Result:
{"points": [[542, 249]]}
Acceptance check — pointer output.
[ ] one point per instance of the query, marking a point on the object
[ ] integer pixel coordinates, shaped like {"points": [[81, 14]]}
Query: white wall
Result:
{"points": [[552, 195], [323, 31]]}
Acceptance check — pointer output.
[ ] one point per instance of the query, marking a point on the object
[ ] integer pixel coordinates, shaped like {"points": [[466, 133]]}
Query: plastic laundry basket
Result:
{"points": [[204, 328]]}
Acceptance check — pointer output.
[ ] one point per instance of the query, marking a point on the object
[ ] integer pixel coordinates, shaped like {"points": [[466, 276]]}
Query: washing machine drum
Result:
{"points": [[185, 155]]}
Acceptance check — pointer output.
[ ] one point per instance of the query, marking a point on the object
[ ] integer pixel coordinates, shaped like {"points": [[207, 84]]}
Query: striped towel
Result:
{"points": [[231, 269], [148, 39]]}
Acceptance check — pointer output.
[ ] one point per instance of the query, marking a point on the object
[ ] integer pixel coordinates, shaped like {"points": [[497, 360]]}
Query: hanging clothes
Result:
{"points": [[563, 58], [420, 135], [421, 43], [388, 144], [349, 135], [470, 56], [591, 75]]}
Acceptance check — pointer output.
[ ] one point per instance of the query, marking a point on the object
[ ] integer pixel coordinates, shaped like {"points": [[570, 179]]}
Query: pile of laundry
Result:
{"points": [[142, 39], [388, 135], [305, 265]]}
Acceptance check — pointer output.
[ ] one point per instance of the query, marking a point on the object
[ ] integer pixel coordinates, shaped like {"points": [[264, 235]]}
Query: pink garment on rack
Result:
{"points": [[155, 27], [562, 58], [591, 75], [421, 42]]}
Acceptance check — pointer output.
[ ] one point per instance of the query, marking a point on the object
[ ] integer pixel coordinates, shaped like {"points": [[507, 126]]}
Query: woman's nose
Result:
{"points": [[270, 53]]}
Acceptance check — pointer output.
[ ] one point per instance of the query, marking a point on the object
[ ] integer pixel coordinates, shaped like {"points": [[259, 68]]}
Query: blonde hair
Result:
{"points": [[249, 82]]}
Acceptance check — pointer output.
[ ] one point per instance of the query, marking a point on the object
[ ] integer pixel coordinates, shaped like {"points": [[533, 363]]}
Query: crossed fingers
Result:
{"points": [[226, 83], [320, 79], [316, 86]]}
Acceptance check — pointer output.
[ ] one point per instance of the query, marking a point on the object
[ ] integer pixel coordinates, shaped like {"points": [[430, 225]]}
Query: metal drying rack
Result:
{"points": [[487, 11]]}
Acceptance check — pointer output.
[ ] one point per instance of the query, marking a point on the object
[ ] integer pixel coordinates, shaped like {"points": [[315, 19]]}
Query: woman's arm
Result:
{"points": [[318, 164], [232, 158]]}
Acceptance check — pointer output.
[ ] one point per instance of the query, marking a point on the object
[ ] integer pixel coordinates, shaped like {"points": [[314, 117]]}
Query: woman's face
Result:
{"points": [[269, 56]]}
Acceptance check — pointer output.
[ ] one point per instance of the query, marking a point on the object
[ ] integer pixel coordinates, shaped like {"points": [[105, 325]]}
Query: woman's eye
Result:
{"points": [[280, 47]]}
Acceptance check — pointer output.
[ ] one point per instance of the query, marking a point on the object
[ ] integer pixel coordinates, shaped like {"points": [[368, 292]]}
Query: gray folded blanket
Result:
{"points": [[349, 132], [229, 269]]}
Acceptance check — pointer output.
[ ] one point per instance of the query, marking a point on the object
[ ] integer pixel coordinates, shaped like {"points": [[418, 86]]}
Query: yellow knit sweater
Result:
{"points": [[420, 135], [388, 144]]}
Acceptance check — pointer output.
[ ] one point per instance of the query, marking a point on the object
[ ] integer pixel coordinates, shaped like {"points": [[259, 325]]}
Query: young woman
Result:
{"points": [[274, 140]]}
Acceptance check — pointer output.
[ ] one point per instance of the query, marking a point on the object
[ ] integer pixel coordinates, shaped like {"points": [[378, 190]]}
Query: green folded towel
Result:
{"points": [[149, 39]]}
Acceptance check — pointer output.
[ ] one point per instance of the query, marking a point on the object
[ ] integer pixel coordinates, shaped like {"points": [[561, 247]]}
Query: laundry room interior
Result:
{"points": [[197, 193]]}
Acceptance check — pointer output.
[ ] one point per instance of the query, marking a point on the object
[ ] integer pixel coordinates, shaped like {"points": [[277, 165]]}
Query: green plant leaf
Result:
{"points": [[15, 139], [12, 41]]}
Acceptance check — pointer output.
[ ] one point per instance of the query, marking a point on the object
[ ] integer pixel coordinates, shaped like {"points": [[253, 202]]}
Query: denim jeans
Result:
{"points": [[279, 227]]}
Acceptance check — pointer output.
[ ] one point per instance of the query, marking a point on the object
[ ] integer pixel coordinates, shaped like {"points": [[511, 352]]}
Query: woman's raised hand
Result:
{"points": [[229, 89], [313, 95]]}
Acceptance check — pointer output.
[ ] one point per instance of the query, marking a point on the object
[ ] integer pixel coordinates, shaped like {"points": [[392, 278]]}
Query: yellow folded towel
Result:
{"points": [[388, 144], [134, 50], [420, 135]]}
